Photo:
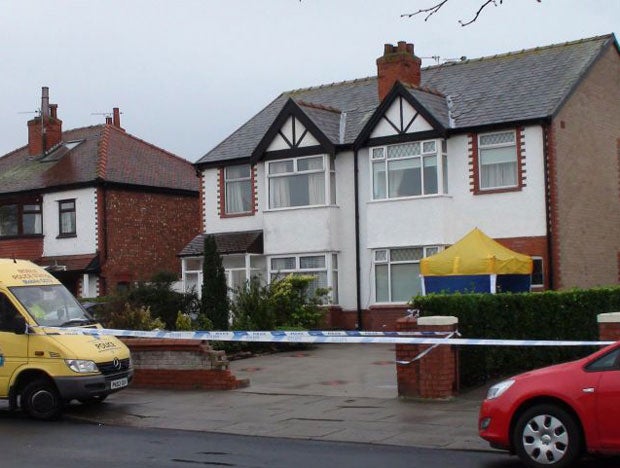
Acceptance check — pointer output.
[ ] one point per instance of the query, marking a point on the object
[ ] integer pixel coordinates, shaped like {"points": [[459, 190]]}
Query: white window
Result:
{"points": [[397, 272], [497, 160], [323, 267], [192, 274], [299, 182], [237, 268], [409, 169], [238, 191]]}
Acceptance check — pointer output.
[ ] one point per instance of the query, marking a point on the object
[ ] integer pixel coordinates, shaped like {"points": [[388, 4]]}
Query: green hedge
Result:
{"points": [[552, 315]]}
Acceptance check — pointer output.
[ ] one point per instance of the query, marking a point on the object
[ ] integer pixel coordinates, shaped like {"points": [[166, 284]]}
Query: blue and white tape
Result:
{"points": [[430, 338]]}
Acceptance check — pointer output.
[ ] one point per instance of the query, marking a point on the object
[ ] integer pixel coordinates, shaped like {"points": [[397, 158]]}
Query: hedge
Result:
{"points": [[551, 315]]}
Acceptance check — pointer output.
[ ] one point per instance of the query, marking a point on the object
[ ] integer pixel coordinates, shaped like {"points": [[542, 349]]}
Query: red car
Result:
{"points": [[551, 416]]}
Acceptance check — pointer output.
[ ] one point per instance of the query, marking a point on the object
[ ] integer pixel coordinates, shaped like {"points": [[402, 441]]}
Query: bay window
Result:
{"points": [[323, 267], [299, 182], [409, 169], [397, 272]]}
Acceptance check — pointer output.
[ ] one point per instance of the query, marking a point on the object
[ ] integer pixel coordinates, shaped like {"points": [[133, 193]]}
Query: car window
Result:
{"points": [[609, 361]]}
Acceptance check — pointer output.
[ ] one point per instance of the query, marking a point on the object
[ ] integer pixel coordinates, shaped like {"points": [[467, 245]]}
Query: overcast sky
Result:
{"points": [[187, 73]]}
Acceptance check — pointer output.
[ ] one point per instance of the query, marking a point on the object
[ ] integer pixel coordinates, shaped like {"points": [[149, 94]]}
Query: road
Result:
{"points": [[68, 444]]}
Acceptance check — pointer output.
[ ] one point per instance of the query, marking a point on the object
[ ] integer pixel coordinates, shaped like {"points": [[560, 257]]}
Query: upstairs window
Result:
{"points": [[409, 170], [298, 182], [497, 160], [238, 191], [66, 218], [20, 220]]}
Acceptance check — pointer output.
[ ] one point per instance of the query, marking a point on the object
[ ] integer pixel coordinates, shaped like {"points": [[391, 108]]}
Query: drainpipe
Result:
{"points": [[547, 132], [360, 324]]}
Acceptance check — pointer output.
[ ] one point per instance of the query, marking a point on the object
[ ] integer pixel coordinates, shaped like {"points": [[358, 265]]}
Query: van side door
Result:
{"points": [[13, 346]]}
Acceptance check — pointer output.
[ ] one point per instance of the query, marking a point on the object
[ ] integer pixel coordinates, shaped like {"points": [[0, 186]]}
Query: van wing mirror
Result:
{"points": [[19, 325]]}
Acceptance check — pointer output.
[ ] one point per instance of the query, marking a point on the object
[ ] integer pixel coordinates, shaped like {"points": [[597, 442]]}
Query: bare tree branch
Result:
{"points": [[430, 11], [482, 7]]}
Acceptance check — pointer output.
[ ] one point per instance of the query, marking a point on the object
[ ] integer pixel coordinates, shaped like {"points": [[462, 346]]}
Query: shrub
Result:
{"points": [[285, 303], [214, 304], [551, 315], [158, 296], [133, 318]]}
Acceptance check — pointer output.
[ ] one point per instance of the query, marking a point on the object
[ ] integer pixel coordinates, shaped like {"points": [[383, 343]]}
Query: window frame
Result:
{"points": [[541, 262], [329, 175], [61, 211], [225, 183], [514, 144], [20, 214], [330, 269], [427, 251], [441, 165]]}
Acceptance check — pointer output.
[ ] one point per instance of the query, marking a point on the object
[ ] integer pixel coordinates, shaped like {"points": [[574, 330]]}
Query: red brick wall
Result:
{"points": [[23, 248], [144, 232], [178, 364], [585, 175], [533, 246]]}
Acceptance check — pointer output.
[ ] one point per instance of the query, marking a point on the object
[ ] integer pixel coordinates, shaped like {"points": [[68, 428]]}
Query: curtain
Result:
{"points": [[316, 189], [279, 192]]}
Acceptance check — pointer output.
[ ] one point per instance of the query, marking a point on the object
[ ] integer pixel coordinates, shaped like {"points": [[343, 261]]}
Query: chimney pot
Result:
{"points": [[108, 120], [45, 102], [54, 111]]}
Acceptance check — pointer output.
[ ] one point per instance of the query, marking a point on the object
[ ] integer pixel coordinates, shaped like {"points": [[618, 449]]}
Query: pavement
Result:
{"points": [[335, 392]]}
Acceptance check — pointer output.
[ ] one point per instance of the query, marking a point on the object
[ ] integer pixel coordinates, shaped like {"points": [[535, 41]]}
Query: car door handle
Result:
{"points": [[588, 390]]}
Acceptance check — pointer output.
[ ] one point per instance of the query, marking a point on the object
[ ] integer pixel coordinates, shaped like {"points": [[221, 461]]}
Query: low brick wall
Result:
{"points": [[181, 365]]}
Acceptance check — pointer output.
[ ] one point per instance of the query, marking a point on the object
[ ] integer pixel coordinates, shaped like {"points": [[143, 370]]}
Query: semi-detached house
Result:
{"points": [[355, 182], [96, 206]]}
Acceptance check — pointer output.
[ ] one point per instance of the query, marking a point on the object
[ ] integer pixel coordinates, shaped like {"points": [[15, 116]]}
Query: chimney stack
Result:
{"points": [[44, 131], [116, 118], [398, 63]]}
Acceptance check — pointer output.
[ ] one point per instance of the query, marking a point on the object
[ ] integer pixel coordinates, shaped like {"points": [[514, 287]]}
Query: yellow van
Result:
{"points": [[43, 363]]}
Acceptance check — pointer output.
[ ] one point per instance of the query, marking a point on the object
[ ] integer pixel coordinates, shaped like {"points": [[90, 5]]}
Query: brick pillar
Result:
{"points": [[435, 375], [609, 326], [407, 376]]}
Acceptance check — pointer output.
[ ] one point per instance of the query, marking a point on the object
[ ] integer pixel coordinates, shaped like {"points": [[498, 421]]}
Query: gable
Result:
{"points": [[400, 118], [293, 134]]}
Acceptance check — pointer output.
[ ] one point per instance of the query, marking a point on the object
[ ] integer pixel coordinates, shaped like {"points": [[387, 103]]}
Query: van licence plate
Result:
{"points": [[119, 383]]}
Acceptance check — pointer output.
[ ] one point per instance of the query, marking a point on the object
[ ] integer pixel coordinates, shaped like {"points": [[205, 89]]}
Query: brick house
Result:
{"points": [[97, 206], [356, 181]]}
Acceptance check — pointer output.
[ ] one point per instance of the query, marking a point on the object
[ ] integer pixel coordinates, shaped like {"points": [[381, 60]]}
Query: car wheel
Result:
{"points": [[547, 435], [41, 400]]}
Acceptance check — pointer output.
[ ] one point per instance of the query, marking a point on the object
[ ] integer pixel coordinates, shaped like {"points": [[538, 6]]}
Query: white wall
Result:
{"points": [[86, 223]]}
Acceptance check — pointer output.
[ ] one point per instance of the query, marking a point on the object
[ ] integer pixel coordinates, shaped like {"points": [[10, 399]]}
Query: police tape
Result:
{"points": [[311, 337]]}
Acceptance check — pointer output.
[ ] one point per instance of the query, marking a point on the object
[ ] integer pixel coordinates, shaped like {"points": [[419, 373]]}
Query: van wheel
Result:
{"points": [[41, 400], [547, 436]]}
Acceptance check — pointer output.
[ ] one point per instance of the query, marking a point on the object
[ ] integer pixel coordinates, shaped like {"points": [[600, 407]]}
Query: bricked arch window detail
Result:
{"points": [[237, 194], [490, 151]]}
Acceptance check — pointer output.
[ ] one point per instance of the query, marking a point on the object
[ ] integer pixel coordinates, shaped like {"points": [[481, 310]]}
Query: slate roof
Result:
{"points": [[227, 243], [105, 153], [514, 87]]}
